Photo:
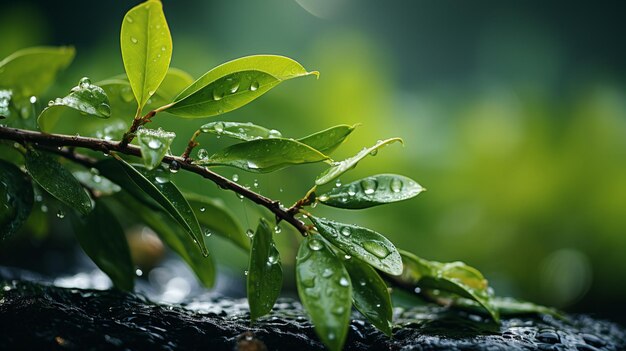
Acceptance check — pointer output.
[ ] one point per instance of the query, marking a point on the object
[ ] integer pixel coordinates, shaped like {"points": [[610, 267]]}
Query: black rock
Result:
{"points": [[37, 316]]}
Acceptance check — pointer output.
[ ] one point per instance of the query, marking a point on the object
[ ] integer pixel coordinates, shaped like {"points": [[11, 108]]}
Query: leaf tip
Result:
{"points": [[315, 73]]}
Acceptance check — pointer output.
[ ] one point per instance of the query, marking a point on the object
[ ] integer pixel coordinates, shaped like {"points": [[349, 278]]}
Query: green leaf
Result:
{"points": [[57, 180], [29, 72], [372, 191], [339, 168], [146, 48], [172, 235], [83, 99], [241, 131], [154, 144], [96, 182], [365, 244], [264, 155], [265, 273], [215, 216], [370, 294], [5, 101], [156, 185], [103, 240], [234, 84], [16, 193], [325, 290], [328, 140], [456, 278]]}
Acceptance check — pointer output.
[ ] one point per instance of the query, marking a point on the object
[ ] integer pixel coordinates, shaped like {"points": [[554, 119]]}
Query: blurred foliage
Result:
{"points": [[513, 116]]}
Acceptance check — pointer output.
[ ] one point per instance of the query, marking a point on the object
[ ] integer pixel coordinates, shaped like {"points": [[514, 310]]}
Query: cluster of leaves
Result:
{"points": [[337, 265]]}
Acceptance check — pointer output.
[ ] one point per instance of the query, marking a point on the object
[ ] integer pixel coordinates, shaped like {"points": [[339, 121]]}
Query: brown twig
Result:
{"points": [[52, 142], [190, 145]]}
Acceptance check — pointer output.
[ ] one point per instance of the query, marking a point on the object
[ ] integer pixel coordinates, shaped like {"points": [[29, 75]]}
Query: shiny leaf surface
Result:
{"points": [[16, 199], [339, 168], [29, 72], [103, 240], [57, 180], [370, 294], [264, 155], [325, 290], [372, 191], [234, 84], [241, 131], [365, 244], [326, 141], [265, 273], [146, 48], [154, 144]]}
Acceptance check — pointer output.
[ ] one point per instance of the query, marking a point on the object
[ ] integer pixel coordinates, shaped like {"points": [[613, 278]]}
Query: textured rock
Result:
{"points": [[42, 317]]}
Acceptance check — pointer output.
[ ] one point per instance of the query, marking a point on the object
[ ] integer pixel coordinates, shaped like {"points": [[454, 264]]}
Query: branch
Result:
{"points": [[51, 142]]}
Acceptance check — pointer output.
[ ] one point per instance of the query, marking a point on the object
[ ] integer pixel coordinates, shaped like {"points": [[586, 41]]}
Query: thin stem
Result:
{"points": [[52, 142], [137, 122], [190, 145]]}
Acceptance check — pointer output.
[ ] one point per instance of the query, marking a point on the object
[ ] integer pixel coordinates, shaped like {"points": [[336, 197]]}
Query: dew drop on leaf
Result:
{"points": [[345, 231], [396, 185], [315, 245], [134, 40], [217, 95], [138, 272], [174, 167], [277, 229], [344, 282], [249, 233], [84, 82], [376, 249], [60, 214], [254, 86], [369, 186]]}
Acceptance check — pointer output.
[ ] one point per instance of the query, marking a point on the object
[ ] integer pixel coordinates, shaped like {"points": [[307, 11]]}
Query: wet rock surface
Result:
{"points": [[40, 316]]}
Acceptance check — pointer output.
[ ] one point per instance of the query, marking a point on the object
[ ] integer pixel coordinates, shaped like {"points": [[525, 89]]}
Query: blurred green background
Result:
{"points": [[513, 115]]}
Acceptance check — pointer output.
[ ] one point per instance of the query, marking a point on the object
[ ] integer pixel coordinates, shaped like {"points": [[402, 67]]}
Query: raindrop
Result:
{"points": [[362, 283], [396, 185], [151, 92], [104, 109], [202, 209], [314, 205], [203, 154], [273, 257], [374, 152], [84, 82], [315, 245], [234, 88], [250, 233], [323, 198], [207, 233], [154, 144], [347, 257], [339, 310], [133, 40], [235, 177], [138, 272], [327, 273], [338, 183], [352, 190], [280, 190], [60, 214], [369, 186], [217, 96], [378, 305], [343, 281], [376, 249], [256, 183], [33, 99], [174, 167], [245, 272], [252, 165], [274, 134], [254, 86], [345, 231], [219, 127], [331, 336], [161, 180], [44, 208], [277, 229]]}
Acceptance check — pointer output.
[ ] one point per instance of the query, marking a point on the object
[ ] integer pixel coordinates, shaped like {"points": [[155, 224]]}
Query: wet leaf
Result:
{"points": [[365, 244], [234, 84], [146, 48], [16, 199], [96, 182], [325, 290], [372, 191], [57, 180], [328, 140], [215, 216], [29, 72], [156, 185], [455, 277], [5, 101], [339, 168], [172, 235], [85, 99], [265, 273], [103, 240], [370, 294], [507, 306], [241, 131], [264, 155], [154, 144]]}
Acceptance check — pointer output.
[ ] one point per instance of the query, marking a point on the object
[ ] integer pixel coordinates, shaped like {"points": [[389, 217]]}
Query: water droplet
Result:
{"points": [[374, 152], [314, 205], [133, 40], [339, 310], [84, 82], [273, 257], [274, 134], [174, 167], [203, 154], [362, 283], [396, 185], [129, 19], [338, 183], [254, 86], [252, 165], [344, 281], [234, 88], [256, 183], [138, 272], [207, 233], [315, 245], [378, 305], [151, 92], [154, 144], [345, 231], [250, 233], [217, 95], [44, 208], [352, 190], [280, 190], [331, 336], [376, 249], [33, 99], [369, 186], [277, 229], [202, 209], [219, 127], [163, 48], [235, 177], [161, 180], [245, 272], [60, 214], [327, 273], [347, 257], [104, 109]]}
